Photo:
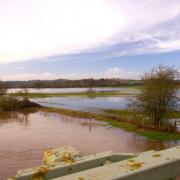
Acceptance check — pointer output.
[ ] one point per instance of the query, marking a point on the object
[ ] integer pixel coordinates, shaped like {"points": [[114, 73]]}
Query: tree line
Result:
{"points": [[65, 83]]}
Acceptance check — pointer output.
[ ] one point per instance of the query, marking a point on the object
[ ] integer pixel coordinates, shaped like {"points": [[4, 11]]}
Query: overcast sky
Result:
{"points": [[49, 39]]}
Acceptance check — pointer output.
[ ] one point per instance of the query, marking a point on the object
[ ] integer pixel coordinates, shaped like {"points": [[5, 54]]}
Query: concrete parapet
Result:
{"points": [[150, 165]]}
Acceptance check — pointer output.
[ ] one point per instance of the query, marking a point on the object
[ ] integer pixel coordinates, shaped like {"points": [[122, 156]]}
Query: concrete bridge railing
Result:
{"points": [[64, 165]]}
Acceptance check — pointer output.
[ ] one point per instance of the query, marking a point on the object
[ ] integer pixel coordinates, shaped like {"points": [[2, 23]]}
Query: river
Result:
{"points": [[24, 137]]}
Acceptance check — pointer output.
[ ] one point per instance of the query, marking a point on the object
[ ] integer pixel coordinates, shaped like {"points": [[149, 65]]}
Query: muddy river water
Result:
{"points": [[24, 137]]}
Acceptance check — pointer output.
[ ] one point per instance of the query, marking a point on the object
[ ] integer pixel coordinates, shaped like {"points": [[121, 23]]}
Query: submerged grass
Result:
{"points": [[114, 118], [175, 115], [122, 125], [157, 135]]}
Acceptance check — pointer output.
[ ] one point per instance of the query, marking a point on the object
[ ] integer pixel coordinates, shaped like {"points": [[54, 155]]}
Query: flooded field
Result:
{"points": [[85, 103], [24, 136], [75, 90]]}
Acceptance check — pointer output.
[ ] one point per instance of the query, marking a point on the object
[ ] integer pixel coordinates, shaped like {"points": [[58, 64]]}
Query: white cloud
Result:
{"points": [[39, 28], [110, 73], [30, 76], [43, 27], [121, 73]]}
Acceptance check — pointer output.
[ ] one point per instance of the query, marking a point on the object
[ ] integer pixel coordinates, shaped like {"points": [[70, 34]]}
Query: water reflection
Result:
{"points": [[15, 117], [24, 136]]}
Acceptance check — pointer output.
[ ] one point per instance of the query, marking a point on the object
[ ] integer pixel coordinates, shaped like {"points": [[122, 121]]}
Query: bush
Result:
{"points": [[10, 103], [3, 88]]}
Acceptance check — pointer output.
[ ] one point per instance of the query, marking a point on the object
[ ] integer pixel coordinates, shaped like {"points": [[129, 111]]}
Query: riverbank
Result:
{"points": [[120, 119]]}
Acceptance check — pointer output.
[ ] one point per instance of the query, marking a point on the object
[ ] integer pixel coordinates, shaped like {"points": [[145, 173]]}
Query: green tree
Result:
{"points": [[158, 97]]}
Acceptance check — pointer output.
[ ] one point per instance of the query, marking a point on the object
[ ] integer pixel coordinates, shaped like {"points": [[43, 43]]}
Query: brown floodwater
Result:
{"points": [[24, 137]]}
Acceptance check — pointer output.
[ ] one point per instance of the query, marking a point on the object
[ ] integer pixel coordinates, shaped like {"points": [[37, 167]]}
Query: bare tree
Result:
{"points": [[24, 94], [158, 97]]}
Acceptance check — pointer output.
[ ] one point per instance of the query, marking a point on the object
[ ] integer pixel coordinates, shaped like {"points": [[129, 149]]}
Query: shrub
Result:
{"points": [[8, 103]]}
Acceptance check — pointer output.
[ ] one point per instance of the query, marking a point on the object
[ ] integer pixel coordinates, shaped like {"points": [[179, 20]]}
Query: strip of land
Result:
{"points": [[77, 94]]}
